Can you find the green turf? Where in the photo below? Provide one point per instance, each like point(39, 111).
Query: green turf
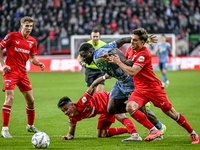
point(48, 88)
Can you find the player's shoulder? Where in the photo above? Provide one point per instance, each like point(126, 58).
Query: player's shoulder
point(145, 51)
point(102, 42)
point(30, 38)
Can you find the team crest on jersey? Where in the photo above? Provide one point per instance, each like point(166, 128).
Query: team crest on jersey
point(141, 59)
point(7, 84)
point(6, 37)
point(84, 99)
point(30, 45)
point(70, 121)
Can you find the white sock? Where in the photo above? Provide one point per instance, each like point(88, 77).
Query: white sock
point(154, 128)
point(193, 132)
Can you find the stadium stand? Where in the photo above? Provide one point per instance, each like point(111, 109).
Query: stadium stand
point(59, 19)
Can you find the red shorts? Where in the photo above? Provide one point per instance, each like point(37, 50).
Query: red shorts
point(105, 120)
point(18, 78)
point(157, 96)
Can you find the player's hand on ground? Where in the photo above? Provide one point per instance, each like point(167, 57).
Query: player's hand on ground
point(41, 66)
point(6, 68)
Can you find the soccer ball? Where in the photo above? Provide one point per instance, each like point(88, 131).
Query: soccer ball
point(40, 140)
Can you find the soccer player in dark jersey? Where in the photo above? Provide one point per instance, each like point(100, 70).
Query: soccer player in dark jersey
point(124, 85)
point(91, 104)
point(92, 72)
point(20, 47)
point(147, 87)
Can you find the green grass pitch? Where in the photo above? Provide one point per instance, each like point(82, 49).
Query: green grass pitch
point(48, 88)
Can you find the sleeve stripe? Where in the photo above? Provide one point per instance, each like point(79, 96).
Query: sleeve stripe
point(89, 94)
point(138, 65)
point(2, 45)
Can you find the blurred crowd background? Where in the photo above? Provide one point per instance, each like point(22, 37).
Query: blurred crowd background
point(57, 20)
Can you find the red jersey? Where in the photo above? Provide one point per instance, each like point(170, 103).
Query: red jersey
point(18, 50)
point(89, 106)
point(145, 79)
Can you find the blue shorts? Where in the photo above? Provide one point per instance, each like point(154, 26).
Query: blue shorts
point(122, 89)
point(163, 65)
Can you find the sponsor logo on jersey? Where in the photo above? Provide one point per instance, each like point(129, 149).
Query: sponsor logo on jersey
point(6, 37)
point(22, 50)
point(84, 99)
point(141, 59)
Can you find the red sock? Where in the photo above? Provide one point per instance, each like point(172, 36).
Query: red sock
point(128, 123)
point(6, 115)
point(141, 118)
point(183, 122)
point(30, 115)
point(116, 131)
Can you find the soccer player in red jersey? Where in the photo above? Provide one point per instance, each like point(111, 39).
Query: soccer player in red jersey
point(20, 47)
point(147, 87)
point(91, 104)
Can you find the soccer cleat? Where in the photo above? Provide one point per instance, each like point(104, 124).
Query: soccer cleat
point(134, 137)
point(148, 105)
point(163, 84)
point(164, 128)
point(195, 138)
point(6, 134)
point(167, 83)
point(153, 135)
point(32, 129)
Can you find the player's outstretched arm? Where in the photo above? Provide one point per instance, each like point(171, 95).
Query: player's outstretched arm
point(70, 134)
point(122, 41)
point(96, 82)
point(35, 62)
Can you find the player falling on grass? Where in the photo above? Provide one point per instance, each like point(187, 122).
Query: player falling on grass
point(148, 87)
point(124, 85)
point(92, 72)
point(91, 104)
point(162, 49)
point(20, 47)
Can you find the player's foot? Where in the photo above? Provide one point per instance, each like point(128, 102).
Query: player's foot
point(32, 129)
point(134, 137)
point(6, 134)
point(164, 128)
point(167, 83)
point(163, 84)
point(195, 138)
point(153, 135)
point(148, 105)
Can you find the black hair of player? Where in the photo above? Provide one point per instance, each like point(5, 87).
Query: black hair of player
point(63, 101)
point(86, 47)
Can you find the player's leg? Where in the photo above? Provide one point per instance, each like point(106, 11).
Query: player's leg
point(135, 101)
point(116, 106)
point(26, 89)
point(30, 110)
point(153, 119)
point(180, 119)
point(103, 128)
point(6, 110)
point(128, 123)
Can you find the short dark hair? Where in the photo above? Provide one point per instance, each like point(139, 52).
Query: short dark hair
point(64, 100)
point(95, 30)
point(142, 33)
point(86, 47)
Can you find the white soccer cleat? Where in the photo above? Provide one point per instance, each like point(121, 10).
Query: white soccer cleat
point(133, 137)
point(167, 83)
point(5, 134)
point(32, 129)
